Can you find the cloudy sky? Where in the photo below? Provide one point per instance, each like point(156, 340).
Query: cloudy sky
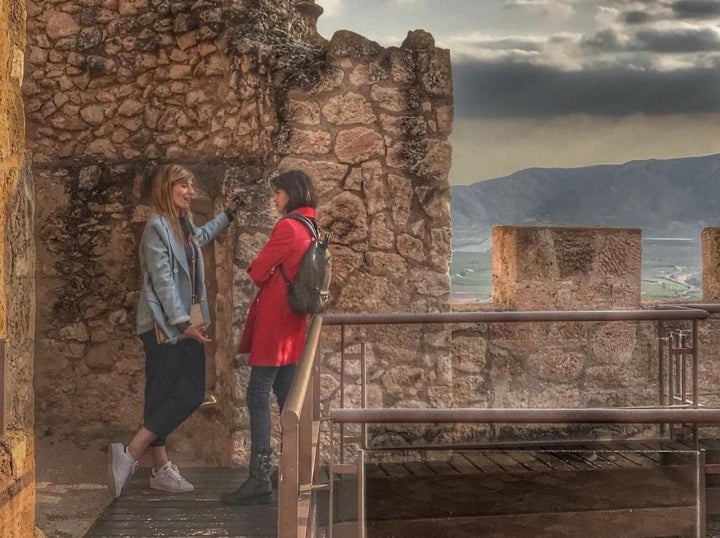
point(563, 83)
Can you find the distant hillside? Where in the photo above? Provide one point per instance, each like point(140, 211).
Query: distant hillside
point(673, 198)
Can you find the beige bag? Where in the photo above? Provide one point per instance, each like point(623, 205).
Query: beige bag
point(196, 318)
point(196, 315)
point(160, 335)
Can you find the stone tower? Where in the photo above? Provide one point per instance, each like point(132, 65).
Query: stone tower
point(235, 90)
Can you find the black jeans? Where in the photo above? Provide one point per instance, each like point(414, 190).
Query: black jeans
point(174, 384)
point(262, 379)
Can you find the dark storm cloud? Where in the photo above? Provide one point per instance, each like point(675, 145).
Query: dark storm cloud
point(655, 10)
point(677, 41)
point(603, 41)
point(696, 9)
point(485, 89)
point(510, 43)
point(636, 17)
point(656, 40)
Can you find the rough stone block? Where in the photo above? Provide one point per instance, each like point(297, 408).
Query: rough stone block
point(569, 268)
point(710, 244)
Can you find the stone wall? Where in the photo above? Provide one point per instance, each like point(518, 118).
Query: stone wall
point(709, 339)
point(495, 365)
point(234, 90)
point(17, 261)
point(710, 244)
point(570, 364)
point(564, 364)
point(566, 268)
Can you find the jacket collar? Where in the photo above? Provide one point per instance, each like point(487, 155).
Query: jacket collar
point(176, 247)
point(304, 211)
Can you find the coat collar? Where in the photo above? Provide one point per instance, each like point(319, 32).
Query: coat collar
point(304, 211)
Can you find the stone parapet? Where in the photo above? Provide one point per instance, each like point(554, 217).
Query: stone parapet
point(710, 245)
point(566, 268)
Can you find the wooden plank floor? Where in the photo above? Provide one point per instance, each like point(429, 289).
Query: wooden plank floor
point(596, 489)
point(545, 457)
point(146, 513)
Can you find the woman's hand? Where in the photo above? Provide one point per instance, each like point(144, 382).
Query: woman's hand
point(197, 333)
point(235, 199)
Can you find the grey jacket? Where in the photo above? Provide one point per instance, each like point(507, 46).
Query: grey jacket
point(166, 291)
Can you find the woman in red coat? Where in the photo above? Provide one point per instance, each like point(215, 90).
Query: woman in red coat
point(274, 334)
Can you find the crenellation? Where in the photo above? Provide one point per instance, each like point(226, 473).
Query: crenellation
point(566, 268)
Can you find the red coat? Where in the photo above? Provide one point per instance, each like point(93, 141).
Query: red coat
point(274, 334)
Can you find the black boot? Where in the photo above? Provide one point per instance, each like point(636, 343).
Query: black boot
point(257, 489)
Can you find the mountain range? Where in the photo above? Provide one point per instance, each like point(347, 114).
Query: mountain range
point(668, 198)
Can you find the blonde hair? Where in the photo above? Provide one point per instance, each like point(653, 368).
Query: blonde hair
point(165, 178)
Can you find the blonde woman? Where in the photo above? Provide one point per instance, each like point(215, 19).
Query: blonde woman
point(173, 285)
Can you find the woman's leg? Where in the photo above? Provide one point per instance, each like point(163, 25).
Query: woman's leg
point(262, 379)
point(257, 489)
point(140, 441)
point(283, 381)
point(175, 388)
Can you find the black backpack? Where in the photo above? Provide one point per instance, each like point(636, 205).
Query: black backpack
point(310, 292)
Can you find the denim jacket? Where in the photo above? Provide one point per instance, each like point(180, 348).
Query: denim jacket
point(166, 292)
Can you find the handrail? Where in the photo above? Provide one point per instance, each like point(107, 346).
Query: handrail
point(299, 423)
point(712, 308)
point(296, 457)
point(516, 316)
point(527, 416)
point(295, 398)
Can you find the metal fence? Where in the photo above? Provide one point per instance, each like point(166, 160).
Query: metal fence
point(300, 457)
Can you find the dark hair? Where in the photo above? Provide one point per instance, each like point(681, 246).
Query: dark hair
point(299, 188)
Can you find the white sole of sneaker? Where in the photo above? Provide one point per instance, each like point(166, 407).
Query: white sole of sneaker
point(110, 475)
point(168, 490)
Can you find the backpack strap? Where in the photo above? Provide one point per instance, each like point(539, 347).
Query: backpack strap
point(309, 224)
point(311, 227)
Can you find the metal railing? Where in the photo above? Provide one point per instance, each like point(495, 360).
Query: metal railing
point(299, 461)
point(683, 352)
point(523, 416)
point(602, 415)
point(300, 418)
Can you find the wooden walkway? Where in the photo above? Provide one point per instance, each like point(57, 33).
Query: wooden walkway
point(620, 486)
point(637, 489)
point(146, 513)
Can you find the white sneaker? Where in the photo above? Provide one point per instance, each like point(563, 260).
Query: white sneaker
point(168, 478)
point(120, 466)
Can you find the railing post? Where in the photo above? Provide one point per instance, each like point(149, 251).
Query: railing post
point(288, 483)
point(297, 445)
point(305, 440)
point(662, 339)
point(361, 495)
point(342, 390)
point(695, 364)
point(701, 522)
point(3, 392)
